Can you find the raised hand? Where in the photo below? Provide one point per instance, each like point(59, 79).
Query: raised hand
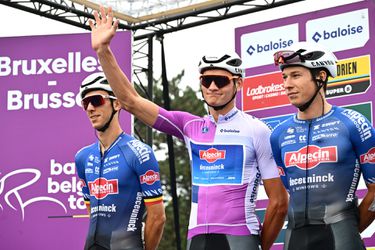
point(104, 28)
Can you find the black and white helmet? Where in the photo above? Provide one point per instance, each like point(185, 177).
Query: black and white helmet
point(95, 81)
point(310, 55)
point(230, 62)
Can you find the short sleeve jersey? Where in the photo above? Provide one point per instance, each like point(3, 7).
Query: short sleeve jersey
point(118, 185)
point(228, 159)
point(321, 161)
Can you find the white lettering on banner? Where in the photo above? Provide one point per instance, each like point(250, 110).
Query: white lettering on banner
point(17, 195)
point(73, 64)
point(17, 100)
point(74, 185)
point(274, 88)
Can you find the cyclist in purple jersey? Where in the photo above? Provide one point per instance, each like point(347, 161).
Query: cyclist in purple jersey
point(229, 151)
point(120, 177)
point(322, 151)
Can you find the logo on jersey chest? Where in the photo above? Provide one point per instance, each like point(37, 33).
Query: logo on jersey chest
point(211, 155)
point(310, 157)
point(150, 177)
point(368, 157)
point(101, 187)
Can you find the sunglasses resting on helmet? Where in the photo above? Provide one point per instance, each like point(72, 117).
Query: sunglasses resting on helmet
point(290, 57)
point(220, 81)
point(95, 100)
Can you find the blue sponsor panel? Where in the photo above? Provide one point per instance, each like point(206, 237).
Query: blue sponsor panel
point(217, 164)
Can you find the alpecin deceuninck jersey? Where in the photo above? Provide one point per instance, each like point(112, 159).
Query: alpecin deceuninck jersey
point(118, 185)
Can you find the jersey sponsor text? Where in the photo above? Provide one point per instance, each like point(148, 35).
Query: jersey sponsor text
point(211, 155)
point(101, 187)
point(150, 177)
point(310, 157)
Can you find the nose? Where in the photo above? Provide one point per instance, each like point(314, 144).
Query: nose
point(90, 107)
point(287, 83)
point(212, 86)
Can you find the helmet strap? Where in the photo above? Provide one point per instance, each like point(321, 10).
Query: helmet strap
point(320, 83)
point(106, 125)
point(220, 107)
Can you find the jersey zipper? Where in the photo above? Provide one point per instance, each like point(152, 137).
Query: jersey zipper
point(307, 173)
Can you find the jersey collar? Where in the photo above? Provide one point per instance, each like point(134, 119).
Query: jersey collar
point(227, 117)
point(296, 120)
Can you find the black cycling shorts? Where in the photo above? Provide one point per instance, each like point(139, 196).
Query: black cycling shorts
point(224, 242)
point(343, 235)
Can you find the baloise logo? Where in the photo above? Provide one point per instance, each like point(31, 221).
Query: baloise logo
point(338, 32)
point(269, 46)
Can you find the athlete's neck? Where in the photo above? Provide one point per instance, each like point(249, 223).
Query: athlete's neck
point(107, 137)
point(318, 108)
point(215, 113)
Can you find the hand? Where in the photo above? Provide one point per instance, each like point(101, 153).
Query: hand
point(104, 30)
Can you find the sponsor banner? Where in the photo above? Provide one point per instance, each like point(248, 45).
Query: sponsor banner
point(257, 48)
point(40, 193)
point(353, 77)
point(214, 164)
point(340, 32)
point(264, 92)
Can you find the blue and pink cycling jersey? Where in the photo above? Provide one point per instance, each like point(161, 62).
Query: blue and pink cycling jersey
point(117, 185)
point(228, 160)
point(321, 163)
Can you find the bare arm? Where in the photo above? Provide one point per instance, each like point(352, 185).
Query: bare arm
point(88, 207)
point(366, 217)
point(275, 213)
point(101, 35)
point(154, 225)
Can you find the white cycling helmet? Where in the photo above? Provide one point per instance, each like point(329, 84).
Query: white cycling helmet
point(310, 55)
point(95, 81)
point(230, 62)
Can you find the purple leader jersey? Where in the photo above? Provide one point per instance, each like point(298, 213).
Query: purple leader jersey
point(228, 159)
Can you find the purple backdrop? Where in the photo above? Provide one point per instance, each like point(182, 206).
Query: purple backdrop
point(42, 129)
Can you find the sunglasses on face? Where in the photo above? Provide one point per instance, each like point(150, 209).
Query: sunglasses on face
point(95, 100)
point(220, 81)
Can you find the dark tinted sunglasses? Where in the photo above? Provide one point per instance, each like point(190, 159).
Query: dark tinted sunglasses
point(220, 81)
point(95, 100)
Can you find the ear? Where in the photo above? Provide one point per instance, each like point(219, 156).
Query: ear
point(117, 105)
point(239, 83)
point(323, 75)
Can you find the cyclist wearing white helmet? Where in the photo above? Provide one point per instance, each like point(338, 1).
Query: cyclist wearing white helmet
point(120, 177)
point(229, 151)
point(321, 152)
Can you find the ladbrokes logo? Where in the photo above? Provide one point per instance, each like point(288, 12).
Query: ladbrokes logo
point(369, 157)
point(211, 155)
point(150, 177)
point(102, 187)
point(310, 157)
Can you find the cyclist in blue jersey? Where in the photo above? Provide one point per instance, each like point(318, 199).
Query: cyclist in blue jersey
point(120, 177)
point(321, 152)
point(229, 151)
